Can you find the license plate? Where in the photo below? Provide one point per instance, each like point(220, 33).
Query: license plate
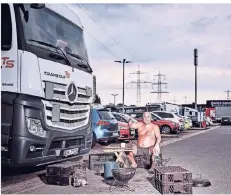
point(70, 152)
point(115, 134)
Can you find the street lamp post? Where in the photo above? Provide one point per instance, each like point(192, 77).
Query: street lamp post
point(124, 61)
point(114, 95)
point(195, 64)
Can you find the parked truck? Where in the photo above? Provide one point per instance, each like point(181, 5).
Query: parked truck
point(210, 112)
point(196, 116)
point(47, 84)
point(164, 106)
point(222, 112)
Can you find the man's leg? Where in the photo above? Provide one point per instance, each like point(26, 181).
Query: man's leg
point(152, 153)
point(131, 156)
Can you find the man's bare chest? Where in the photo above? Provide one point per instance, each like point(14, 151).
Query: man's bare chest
point(146, 131)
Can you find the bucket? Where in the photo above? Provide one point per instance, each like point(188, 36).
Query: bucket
point(108, 166)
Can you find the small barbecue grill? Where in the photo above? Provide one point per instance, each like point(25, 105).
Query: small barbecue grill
point(122, 177)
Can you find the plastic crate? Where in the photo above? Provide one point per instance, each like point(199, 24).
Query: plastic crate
point(96, 161)
point(173, 188)
point(172, 174)
point(65, 169)
point(58, 180)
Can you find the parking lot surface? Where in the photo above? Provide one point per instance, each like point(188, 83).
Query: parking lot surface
point(202, 151)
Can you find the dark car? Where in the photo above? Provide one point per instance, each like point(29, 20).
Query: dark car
point(226, 120)
point(104, 126)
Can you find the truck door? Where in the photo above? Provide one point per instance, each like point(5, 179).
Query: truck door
point(9, 48)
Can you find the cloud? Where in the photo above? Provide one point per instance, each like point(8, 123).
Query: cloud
point(160, 37)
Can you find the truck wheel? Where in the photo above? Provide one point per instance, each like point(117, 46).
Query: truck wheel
point(165, 129)
point(93, 141)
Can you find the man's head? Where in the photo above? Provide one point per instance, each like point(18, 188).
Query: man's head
point(147, 117)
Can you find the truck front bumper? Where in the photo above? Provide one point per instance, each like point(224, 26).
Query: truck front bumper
point(27, 149)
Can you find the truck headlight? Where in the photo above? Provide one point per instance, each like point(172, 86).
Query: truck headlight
point(34, 127)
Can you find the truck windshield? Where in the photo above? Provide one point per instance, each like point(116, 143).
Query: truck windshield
point(46, 26)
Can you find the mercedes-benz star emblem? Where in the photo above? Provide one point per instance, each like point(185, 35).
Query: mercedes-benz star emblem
point(72, 92)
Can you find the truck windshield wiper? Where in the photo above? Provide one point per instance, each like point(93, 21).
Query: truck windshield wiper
point(81, 58)
point(53, 46)
point(64, 54)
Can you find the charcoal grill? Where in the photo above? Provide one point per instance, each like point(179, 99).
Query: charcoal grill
point(122, 176)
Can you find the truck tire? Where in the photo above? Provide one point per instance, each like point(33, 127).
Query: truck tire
point(94, 141)
point(165, 129)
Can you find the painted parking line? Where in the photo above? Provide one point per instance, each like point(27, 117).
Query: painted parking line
point(187, 136)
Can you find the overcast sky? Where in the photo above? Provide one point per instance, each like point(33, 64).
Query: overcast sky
point(159, 38)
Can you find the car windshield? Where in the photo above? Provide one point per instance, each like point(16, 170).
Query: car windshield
point(105, 115)
point(226, 118)
point(156, 116)
point(46, 26)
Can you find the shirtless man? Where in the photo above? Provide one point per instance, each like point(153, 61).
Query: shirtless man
point(149, 138)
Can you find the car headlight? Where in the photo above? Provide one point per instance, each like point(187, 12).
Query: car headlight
point(34, 127)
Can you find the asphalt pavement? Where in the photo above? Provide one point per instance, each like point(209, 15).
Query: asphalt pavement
point(206, 152)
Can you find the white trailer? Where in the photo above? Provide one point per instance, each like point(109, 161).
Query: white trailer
point(169, 107)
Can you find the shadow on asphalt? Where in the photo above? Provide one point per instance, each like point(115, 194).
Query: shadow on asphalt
point(15, 175)
point(109, 182)
point(8, 171)
point(42, 177)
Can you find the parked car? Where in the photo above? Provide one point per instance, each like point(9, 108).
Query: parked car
point(104, 126)
point(125, 132)
point(188, 122)
point(171, 117)
point(226, 120)
point(208, 120)
point(166, 126)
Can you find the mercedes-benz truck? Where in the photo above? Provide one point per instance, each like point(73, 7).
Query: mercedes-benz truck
point(47, 84)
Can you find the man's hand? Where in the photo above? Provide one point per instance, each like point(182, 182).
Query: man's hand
point(133, 125)
point(130, 123)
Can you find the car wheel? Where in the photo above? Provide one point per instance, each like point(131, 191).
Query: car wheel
point(165, 129)
point(93, 141)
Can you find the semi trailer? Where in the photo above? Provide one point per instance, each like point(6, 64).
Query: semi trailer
point(47, 85)
point(222, 112)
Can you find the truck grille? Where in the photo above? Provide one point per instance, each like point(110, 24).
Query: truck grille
point(58, 110)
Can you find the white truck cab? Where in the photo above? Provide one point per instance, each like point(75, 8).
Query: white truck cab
point(47, 84)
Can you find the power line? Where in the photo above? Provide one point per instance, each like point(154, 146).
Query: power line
point(159, 84)
point(85, 11)
point(95, 58)
point(103, 46)
point(100, 44)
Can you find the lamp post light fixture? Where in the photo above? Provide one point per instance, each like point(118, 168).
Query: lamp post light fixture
point(124, 61)
point(114, 95)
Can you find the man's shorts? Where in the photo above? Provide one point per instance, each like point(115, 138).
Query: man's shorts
point(144, 151)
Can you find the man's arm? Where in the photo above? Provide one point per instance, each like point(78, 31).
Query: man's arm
point(133, 125)
point(158, 135)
